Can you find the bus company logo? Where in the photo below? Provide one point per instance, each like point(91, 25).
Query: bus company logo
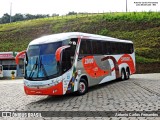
point(89, 61)
point(125, 59)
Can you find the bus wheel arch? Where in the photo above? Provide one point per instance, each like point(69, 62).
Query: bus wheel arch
point(83, 85)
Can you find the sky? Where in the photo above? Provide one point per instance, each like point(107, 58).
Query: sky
point(62, 7)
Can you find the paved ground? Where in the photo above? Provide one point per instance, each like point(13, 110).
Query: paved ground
point(140, 93)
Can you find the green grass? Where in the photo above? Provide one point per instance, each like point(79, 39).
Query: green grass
point(133, 16)
point(143, 28)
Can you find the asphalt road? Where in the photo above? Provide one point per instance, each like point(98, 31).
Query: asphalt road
point(140, 93)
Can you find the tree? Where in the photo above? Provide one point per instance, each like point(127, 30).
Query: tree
point(28, 16)
point(17, 17)
point(72, 13)
point(54, 14)
point(20, 17)
point(5, 18)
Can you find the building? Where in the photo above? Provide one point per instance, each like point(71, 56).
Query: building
point(7, 60)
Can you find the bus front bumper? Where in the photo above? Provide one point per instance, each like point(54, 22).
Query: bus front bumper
point(38, 90)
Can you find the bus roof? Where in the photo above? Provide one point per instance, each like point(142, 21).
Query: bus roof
point(68, 35)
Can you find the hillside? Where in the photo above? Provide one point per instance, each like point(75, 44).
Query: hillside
point(142, 28)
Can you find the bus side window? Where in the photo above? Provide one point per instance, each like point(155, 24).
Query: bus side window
point(105, 47)
point(123, 48)
point(95, 47)
point(82, 47)
point(120, 48)
point(128, 48)
point(111, 47)
point(99, 47)
point(88, 47)
point(85, 48)
point(131, 48)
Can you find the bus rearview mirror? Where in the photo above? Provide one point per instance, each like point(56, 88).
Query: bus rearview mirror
point(18, 56)
point(59, 51)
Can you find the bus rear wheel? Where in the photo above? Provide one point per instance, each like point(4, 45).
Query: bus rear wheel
point(123, 74)
point(127, 74)
point(83, 87)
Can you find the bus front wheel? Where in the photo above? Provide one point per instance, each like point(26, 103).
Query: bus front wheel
point(83, 87)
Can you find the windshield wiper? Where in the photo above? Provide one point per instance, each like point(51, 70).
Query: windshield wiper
point(44, 70)
point(34, 67)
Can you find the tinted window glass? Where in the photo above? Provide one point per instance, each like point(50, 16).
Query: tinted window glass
point(106, 48)
point(97, 47)
point(121, 48)
point(116, 49)
point(131, 48)
point(50, 48)
point(33, 50)
point(88, 47)
point(83, 47)
point(94, 47)
point(112, 48)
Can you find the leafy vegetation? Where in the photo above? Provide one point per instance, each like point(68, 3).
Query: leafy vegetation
point(141, 59)
point(133, 16)
point(142, 28)
point(6, 18)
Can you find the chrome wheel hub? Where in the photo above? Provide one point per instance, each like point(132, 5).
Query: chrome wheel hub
point(82, 87)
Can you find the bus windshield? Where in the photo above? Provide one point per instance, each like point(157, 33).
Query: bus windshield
point(41, 61)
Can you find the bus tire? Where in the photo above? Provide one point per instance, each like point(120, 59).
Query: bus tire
point(83, 87)
point(123, 74)
point(127, 74)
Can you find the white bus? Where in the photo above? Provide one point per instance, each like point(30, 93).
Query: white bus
point(68, 62)
point(1, 71)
